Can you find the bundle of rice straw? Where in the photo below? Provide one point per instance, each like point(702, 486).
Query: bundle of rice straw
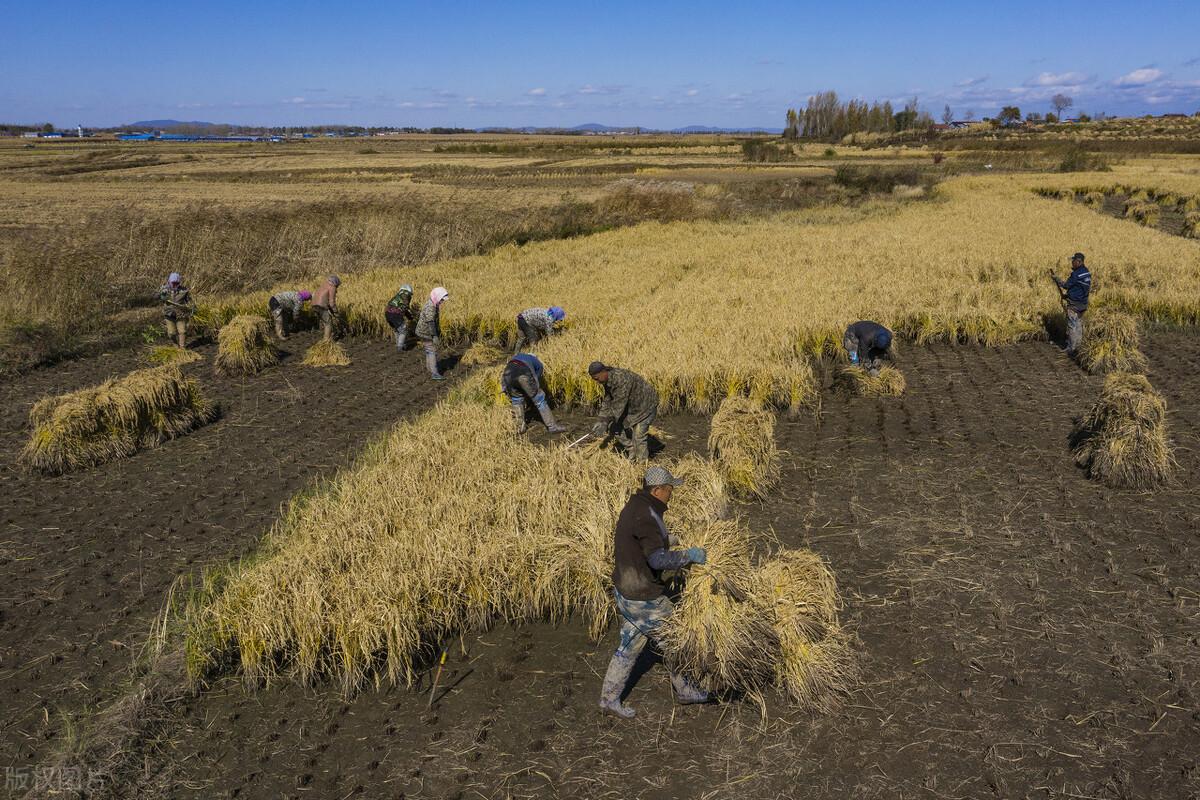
point(114, 419)
point(326, 353)
point(1143, 212)
point(1122, 441)
point(856, 381)
point(244, 346)
point(1110, 343)
point(163, 354)
point(1191, 225)
point(482, 353)
point(742, 442)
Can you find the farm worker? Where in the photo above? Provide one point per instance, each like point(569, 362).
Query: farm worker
point(535, 324)
point(630, 403)
point(285, 310)
point(177, 308)
point(399, 315)
point(641, 553)
point(429, 329)
point(868, 343)
point(325, 304)
point(521, 381)
point(1075, 290)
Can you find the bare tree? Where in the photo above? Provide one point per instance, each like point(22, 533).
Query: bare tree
point(947, 115)
point(970, 115)
point(1061, 103)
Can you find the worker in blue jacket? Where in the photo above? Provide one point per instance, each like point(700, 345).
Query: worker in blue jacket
point(1075, 291)
point(522, 381)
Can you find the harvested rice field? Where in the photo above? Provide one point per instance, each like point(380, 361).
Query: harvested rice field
point(1020, 630)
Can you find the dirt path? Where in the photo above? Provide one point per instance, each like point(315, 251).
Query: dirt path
point(88, 557)
point(1024, 633)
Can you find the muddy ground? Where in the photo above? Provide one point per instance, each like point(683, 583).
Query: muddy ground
point(1022, 631)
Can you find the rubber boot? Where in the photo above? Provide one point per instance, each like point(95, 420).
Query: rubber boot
point(279, 328)
point(431, 361)
point(547, 415)
point(619, 670)
point(688, 693)
point(518, 409)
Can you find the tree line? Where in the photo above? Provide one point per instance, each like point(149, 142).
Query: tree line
point(827, 118)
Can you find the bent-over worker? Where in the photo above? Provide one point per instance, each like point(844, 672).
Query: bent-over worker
point(177, 308)
point(399, 315)
point(285, 310)
point(536, 324)
point(868, 343)
point(521, 381)
point(429, 330)
point(1075, 291)
point(325, 304)
point(641, 553)
point(630, 404)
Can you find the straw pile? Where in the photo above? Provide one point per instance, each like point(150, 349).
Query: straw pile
point(163, 354)
point(742, 442)
point(856, 381)
point(371, 575)
point(1094, 200)
point(482, 353)
point(1144, 212)
point(115, 419)
point(1191, 225)
point(244, 346)
point(1110, 343)
point(326, 353)
point(1122, 441)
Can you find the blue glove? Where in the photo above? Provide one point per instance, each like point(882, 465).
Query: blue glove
point(696, 555)
point(853, 357)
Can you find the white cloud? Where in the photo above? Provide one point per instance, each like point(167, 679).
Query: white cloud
point(1139, 77)
point(692, 92)
point(538, 92)
point(1058, 79)
point(972, 81)
point(295, 101)
point(608, 89)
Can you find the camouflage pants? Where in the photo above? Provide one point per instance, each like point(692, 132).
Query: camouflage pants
point(635, 438)
point(282, 321)
point(1074, 330)
point(639, 620)
point(175, 327)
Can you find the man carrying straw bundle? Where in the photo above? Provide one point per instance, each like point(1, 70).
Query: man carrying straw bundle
point(521, 381)
point(325, 304)
point(177, 308)
point(1074, 292)
point(429, 330)
point(536, 324)
point(399, 315)
point(868, 343)
point(630, 403)
point(642, 552)
point(285, 310)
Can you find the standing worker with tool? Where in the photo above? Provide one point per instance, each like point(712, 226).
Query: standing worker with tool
point(399, 315)
point(429, 330)
point(630, 403)
point(642, 552)
point(521, 381)
point(868, 343)
point(1074, 292)
point(325, 304)
point(177, 308)
point(285, 309)
point(535, 324)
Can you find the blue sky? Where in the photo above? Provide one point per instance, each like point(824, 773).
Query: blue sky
point(661, 64)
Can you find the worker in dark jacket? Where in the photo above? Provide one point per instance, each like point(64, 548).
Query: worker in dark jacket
point(630, 404)
point(399, 315)
point(1075, 291)
point(521, 381)
point(868, 343)
point(642, 552)
point(177, 308)
point(536, 324)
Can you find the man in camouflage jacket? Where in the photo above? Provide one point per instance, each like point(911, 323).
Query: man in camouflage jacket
point(630, 406)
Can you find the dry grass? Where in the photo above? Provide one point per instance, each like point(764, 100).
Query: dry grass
point(1191, 225)
point(856, 381)
point(742, 443)
point(1122, 441)
point(1110, 343)
point(326, 353)
point(164, 354)
point(483, 354)
point(245, 346)
point(114, 419)
point(1144, 212)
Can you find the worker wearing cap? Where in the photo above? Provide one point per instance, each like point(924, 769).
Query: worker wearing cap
point(399, 315)
point(429, 330)
point(285, 309)
point(521, 380)
point(535, 324)
point(1075, 291)
point(630, 403)
point(325, 304)
point(177, 308)
point(868, 343)
point(641, 553)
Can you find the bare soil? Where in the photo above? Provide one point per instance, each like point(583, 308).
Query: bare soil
point(1023, 632)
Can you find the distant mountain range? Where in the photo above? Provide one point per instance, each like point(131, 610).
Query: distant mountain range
point(589, 127)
